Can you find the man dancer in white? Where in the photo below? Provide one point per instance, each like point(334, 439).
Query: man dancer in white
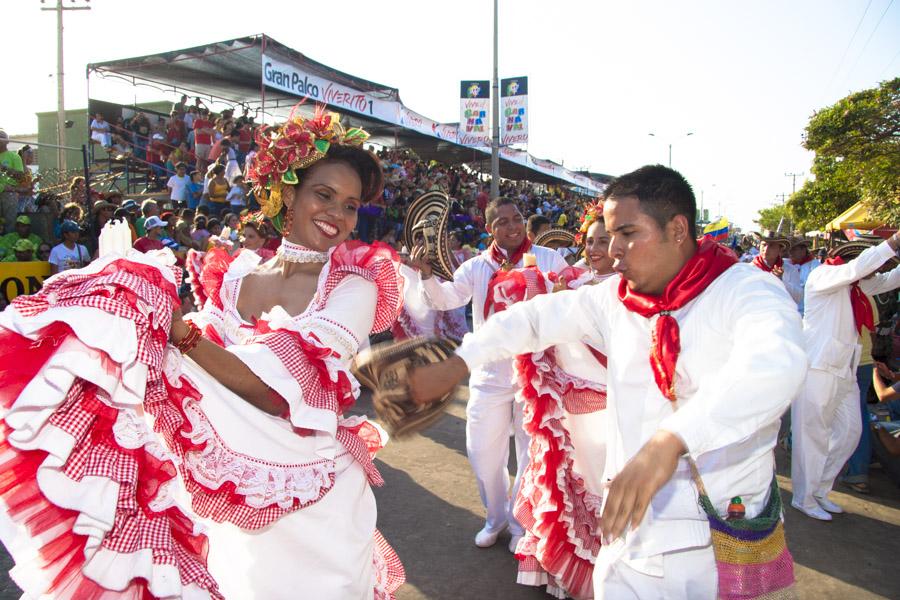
point(729, 381)
point(797, 267)
point(492, 409)
point(825, 417)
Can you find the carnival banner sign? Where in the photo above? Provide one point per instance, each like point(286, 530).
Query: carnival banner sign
point(474, 113)
point(296, 81)
point(20, 278)
point(514, 111)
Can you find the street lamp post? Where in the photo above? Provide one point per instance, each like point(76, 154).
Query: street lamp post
point(495, 116)
point(670, 145)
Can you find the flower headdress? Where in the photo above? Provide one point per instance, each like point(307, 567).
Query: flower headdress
point(295, 144)
point(592, 212)
point(255, 217)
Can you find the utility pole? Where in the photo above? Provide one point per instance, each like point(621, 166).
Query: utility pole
point(782, 196)
point(794, 177)
point(495, 114)
point(60, 93)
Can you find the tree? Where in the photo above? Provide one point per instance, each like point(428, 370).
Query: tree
point(771, 218)
point(857, 157)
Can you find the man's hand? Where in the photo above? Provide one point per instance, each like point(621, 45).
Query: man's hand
point(778, 272)
point(419, 260)
point(894, 241)
point(629, 494)
point(434, 381)
point(885, 372)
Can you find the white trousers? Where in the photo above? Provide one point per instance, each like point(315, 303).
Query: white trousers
point(492, 413)
point(689, 574)
point(826, 429)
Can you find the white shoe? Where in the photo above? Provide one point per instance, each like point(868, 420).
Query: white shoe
point(487, 538)
point(815, 513)
point(514, 543)
point(830, 506)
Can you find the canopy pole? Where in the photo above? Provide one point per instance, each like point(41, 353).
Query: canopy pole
point(262, 87)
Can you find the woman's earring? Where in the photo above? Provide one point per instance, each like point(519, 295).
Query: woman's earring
point(287, 223)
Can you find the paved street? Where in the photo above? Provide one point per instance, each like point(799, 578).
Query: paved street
point(430, 511)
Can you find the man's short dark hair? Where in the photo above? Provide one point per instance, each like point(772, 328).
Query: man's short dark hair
point(662, 192)
point(490, 211)
point(535, 222)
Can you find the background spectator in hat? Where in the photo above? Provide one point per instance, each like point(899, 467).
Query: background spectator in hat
point(100, 131)
point(154, 227)
point(101, 213)
point(178, 184)
point(22, 232)
point(11, 170)
point(149, 208)
point(68, 254)
point(22, 251)
point(72, 211)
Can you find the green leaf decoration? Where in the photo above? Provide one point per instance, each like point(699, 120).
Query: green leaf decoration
point(290, 177)
point(322, 146)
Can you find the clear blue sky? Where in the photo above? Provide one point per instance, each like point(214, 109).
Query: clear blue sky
point(744, 77)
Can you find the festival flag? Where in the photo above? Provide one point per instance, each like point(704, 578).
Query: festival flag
point(474, 113)
point(717, 230)
point(514, 110)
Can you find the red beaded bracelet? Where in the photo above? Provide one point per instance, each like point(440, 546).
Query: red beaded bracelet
point(189, 341)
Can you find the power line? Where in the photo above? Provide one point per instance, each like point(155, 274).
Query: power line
point(869, 39)
point(847, 49)
point(888, 67)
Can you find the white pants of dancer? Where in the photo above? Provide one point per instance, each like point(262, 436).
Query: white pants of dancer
point(686, 574)
point(492, 413)
point(826, 429)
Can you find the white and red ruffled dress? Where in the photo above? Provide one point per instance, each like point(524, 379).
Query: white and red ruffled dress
point(563, 393)
point(128, 471)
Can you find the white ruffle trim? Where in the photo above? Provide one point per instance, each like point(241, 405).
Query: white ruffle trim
point(547, 369)
point(261, 483)
point(94, 498)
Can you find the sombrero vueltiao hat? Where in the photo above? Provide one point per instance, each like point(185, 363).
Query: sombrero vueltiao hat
point(772, 237)
point(799, 240)
point(427, 220)
point(555, 238)
point(850, 250)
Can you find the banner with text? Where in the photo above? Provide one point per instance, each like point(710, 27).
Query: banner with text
point(474, 113)
point(514, 111)
point(20, 278)
point(296, 81)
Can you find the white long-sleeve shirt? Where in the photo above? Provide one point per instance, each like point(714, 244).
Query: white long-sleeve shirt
point(795, 277)
point(741, 362)
point(829, 328)
point(470, 282)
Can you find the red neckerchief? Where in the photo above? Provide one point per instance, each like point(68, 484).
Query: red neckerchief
point(505, 265)
point(761, 263)
point(862, 308)
point(800, 263)
point(710, 261)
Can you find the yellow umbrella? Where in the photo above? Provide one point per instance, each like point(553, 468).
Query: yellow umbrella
point(855, 217)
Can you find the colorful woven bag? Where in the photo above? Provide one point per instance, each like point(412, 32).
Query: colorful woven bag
point(752, 557)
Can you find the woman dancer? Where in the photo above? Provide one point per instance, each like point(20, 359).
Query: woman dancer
point(564, 392)
point(117, 450)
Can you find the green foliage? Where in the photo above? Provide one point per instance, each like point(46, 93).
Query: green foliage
point(770, 218)
point(857, 147)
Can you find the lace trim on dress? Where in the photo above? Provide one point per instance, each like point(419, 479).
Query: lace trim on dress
point(260, 483)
